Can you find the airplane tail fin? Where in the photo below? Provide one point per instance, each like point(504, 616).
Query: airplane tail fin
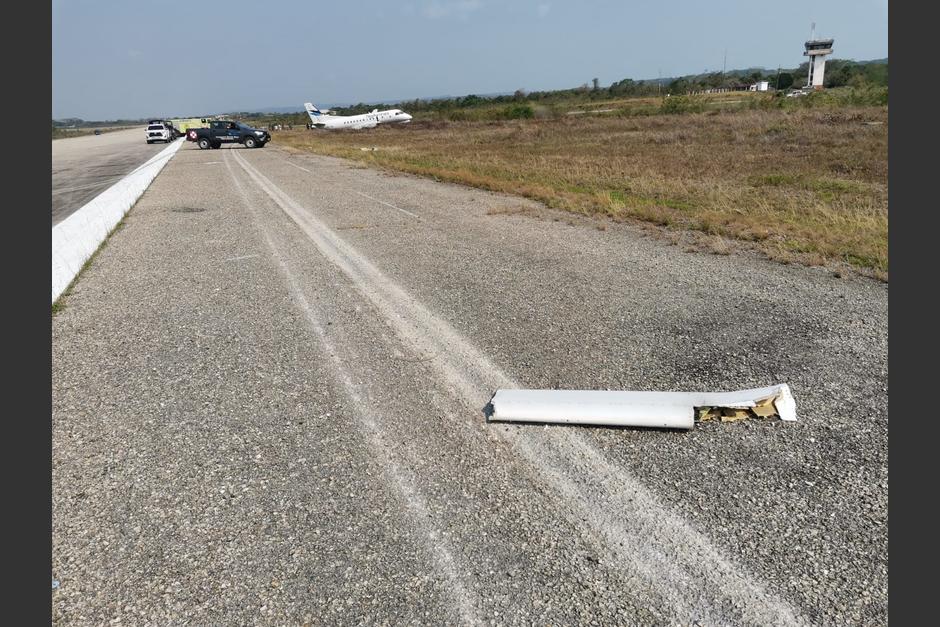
point(312, 111)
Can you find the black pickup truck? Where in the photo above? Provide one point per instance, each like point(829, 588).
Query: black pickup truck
point(227, 132)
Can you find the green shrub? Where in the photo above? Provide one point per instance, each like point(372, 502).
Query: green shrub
point(518, 112)
point(865, 96)
point(457, 115)
point(682, 104)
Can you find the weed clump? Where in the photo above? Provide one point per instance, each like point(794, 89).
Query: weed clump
point(682, 104)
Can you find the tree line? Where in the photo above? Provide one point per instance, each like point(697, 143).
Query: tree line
point(839, 73)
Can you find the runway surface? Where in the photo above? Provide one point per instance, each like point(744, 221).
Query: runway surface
point(268, 396)
point(83, 167)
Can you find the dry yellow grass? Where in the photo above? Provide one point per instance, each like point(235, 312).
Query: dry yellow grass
point(806, 185)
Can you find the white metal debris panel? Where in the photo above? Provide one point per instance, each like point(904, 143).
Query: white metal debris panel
point(674, 410)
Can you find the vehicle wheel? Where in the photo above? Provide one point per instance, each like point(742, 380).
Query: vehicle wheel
point(204, 143)
point(149, 141)
point(250, 142)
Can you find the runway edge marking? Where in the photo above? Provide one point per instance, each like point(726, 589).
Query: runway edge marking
point(76, 238)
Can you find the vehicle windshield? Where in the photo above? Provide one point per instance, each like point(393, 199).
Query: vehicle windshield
point(155, 127)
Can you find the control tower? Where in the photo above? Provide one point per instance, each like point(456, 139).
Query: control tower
point(817, 50)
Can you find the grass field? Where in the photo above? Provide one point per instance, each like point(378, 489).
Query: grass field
point(807, 185)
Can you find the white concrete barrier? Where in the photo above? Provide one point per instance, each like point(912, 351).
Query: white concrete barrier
point(77, 237)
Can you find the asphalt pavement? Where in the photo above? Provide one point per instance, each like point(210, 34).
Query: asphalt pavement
point(268, 408)
point(83, 167)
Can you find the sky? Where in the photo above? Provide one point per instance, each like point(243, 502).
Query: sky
point(114, 59)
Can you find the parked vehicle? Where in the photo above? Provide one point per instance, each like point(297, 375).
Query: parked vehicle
point(228, 132)
point(174, 132)
point(184, 124)
point(158, 133)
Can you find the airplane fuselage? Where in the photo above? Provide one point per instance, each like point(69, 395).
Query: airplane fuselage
point(320, 119)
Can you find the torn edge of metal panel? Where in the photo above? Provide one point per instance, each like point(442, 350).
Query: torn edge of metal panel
point(669, 410)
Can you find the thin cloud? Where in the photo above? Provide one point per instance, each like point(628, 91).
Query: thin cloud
point(544, 8)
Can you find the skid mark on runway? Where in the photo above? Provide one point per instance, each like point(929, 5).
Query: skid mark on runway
point(382, 202)
point(297, 166)
point(416, 506)
point(656, 548)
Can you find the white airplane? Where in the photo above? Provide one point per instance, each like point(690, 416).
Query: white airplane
point(321, 119)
